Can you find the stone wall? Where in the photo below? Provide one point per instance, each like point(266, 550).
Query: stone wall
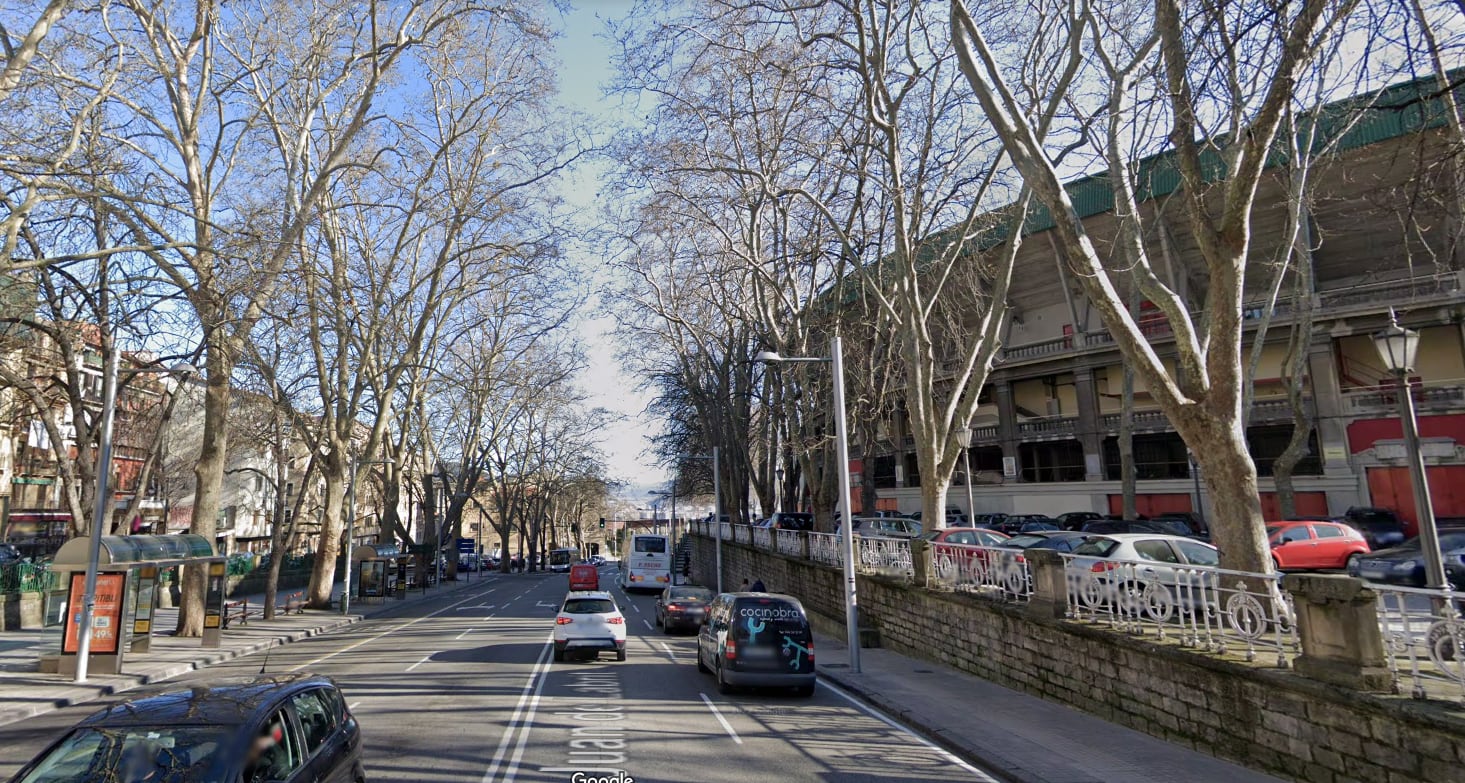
point(1272, 720)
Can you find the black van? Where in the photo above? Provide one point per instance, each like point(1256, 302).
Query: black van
point(759, 640)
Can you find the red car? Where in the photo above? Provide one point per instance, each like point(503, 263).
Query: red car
point(1304, 545)
point(584, 577)
point(959, 549)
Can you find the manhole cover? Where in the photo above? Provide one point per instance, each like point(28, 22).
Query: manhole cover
point(834, 666)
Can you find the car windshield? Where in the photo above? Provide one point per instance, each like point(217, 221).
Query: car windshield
point(1023, 542)
point(690, 594)
point(156, 754)
point(651, 545)
point(589, 606)
point(1096, 547)
point(1272, 530)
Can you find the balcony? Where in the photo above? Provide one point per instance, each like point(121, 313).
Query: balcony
point(1429, 396)
point(1051, 427)
point(1144, 421)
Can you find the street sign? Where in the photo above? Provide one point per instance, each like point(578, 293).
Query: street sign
point(467, 546)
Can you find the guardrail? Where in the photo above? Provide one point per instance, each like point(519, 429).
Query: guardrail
point(987, 571)
point(28, 578)
point(763, 537)
point(889, 556)
point(789, 542)
point(1211, 609)
point(1424, 640)
point(824, 548)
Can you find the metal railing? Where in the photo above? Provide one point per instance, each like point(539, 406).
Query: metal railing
point(725, 530)
point(1424, 640)
point(1052, 425)
point(988, 571)
point(1210, 609)
point(889, 556)
point(742, 534)
point(28, 578)
point(824, 548)
point(763, 538)
point(790, 542)
point(1448, 393)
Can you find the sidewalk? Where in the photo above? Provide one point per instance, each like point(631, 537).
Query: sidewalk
point(1019, 738)
point(25, 692)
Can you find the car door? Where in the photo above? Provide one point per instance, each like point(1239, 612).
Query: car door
point(1331, 546)
point(1158, 561)
point(661, 605)
point(283, 759)
point(706, 645)
point(1295, 547)
point(325, 744)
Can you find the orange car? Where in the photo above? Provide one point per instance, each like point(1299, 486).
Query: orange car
point(584, 577)
point(1304, 545)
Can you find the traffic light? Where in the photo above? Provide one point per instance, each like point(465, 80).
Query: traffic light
point(602, 523)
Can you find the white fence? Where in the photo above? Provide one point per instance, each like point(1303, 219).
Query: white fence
point(990, 571)
point(1424, 640)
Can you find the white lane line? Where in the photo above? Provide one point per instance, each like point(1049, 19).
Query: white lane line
point(525, 727)
point(352, 707)
point(387, 632)
point(725, 725)
point(638, 609)
point(419, 663)
point(535, 675)
point(669, 653)
point(948, 755)
point(465, 633)
point(648, 623)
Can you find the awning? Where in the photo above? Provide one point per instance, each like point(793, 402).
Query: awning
point(375, 552)
point(127, 550)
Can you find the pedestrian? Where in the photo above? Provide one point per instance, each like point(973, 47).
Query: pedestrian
point(745, 585)
point(758, 587)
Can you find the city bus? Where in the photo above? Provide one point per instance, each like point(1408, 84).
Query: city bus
point(647, 563)
point(560, 559)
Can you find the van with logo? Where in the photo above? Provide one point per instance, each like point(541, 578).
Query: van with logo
point(759, 640)
point(584, 576)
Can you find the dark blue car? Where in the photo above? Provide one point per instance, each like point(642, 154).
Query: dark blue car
point(290, 729)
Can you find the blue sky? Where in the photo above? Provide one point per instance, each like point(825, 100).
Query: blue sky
point(586, 68)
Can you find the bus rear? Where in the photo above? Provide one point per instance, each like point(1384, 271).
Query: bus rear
point(647, 564)
point(560, 560)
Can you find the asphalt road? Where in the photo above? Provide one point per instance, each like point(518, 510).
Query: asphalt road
point(462, 688)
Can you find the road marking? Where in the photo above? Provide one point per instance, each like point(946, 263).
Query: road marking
point(465, 633)
point(536, 674)
point(352, 707)
point(419, 663)
point(648, 623)
point(948, 755)
point(637, 608)
point(725, 725)
point(669, 653)
point(479, 606)
point(389, 631)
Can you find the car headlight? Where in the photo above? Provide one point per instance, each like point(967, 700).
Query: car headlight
point(1407, 565)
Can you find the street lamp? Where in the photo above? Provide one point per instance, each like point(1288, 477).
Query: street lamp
point(964, 440)
point(99, 514)
point(1398, 346)
point(351, 527)
point(778, 491)
point(847, 528)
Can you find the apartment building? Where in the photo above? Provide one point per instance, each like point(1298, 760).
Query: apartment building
point(1386, 224)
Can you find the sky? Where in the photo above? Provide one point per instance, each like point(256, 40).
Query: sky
point(586, 68)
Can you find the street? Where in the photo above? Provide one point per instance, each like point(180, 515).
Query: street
point(462, 688)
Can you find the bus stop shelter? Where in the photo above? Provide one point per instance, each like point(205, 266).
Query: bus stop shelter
point(128, 570)
point(378, 570)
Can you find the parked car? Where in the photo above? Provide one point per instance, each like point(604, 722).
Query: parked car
point(1381, 527)
point(683, 606)
point(885, 527)
point(1117, 569)
point(1404, 564)
point(791, 520)
point(1181, 523)
point(1119, 526)
point(1304, 545)
point(1025, 523)
point(1075, 520)
point(9, 554)
point(967, 536)
point(992, 519)
point(287, 728)
point(589, 622)
point(1058, 540)
point(757, 639)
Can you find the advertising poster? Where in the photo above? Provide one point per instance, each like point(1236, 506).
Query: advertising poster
point(106, 616)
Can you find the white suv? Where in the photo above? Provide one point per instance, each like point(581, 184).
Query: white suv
point(589, 622)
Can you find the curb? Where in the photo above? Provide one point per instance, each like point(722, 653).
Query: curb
point(132, 681)
point(903, 714)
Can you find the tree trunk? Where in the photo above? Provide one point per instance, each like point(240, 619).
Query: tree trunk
point(277, 555)
point(208, 476)
point(869, 494)
point(1126, 446)
point(1230, 477)
point(933, 495)
point(332, 527)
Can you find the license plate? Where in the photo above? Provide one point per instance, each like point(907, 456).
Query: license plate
point(756, 652)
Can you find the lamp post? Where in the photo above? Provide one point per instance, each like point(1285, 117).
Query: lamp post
point(351, 527)
point(964, 440)
point(778, 491)
point(851, 609)
point(110, 373)
point(1398, 346)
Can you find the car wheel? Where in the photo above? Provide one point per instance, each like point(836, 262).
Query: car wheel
point(701, 667)
point(1276, 564)
point(620, 655)
point(804, 691)
point(723, 686)
point(559, 656)
point(1352, 564)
